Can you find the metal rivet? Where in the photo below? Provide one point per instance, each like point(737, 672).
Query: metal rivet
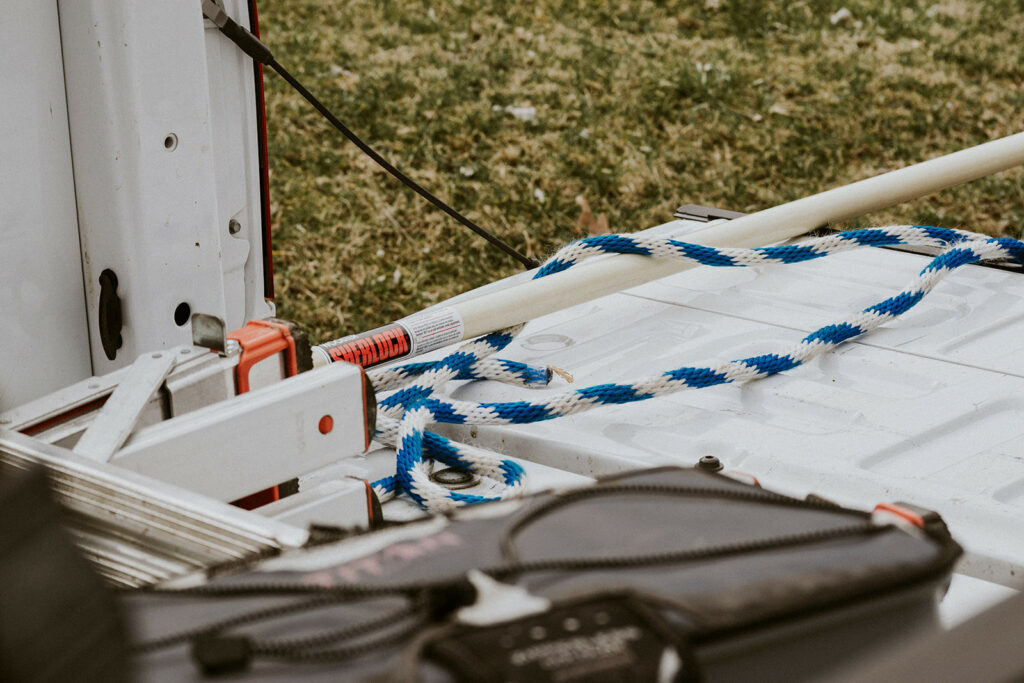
point(454, 479)
point(710, 463)
point(234, 227)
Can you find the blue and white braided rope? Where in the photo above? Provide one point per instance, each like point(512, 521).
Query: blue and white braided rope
point(412, 403)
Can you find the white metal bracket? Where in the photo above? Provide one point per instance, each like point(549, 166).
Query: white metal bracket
point(258, 439)
point(116, 420)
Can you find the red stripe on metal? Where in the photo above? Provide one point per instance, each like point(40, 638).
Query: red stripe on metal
point(261, 119)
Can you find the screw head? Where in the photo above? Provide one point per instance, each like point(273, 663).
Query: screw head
point(710, 463)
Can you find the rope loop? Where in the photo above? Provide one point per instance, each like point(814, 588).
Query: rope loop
point(411, 400)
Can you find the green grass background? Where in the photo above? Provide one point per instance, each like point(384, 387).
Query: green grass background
point(641, 106)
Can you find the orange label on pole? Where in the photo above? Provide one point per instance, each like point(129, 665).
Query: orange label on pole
point(410, 336)
point(372, 348)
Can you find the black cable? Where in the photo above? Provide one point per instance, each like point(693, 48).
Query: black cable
point(307, 648)
point(256, 49)
point(409, 182)
point(218, 653)
point(243, 619)
point(761, 496)
point(455, 590)
point(320, 641)
point(374, 632)
point(577, 564)
point(344, 653)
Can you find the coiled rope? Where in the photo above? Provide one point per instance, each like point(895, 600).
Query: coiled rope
point(412, 401)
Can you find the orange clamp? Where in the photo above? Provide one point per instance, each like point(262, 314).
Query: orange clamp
point(261, 339)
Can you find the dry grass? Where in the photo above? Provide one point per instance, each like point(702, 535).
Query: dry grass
point(641, 106)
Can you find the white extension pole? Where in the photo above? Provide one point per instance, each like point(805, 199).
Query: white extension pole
point(586, 281)
point(495, 310)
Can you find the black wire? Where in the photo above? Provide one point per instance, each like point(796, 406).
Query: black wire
point(361, 628)
point(343, 653)
point(319, 600)
point(387, 166)
point(508, 535)
point(256, 49)
point(575, 564)
point(416, 591)
point(313, 648)
point(415, 612)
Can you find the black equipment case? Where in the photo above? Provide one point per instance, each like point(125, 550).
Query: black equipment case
point(658, 575)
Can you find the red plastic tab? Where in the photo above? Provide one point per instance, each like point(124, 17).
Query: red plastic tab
point(901, 512)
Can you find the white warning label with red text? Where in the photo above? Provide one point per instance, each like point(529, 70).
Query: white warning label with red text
point(433, 329)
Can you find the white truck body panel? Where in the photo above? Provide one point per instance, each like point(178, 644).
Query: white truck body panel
point(141, 170)
point(46, 344)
